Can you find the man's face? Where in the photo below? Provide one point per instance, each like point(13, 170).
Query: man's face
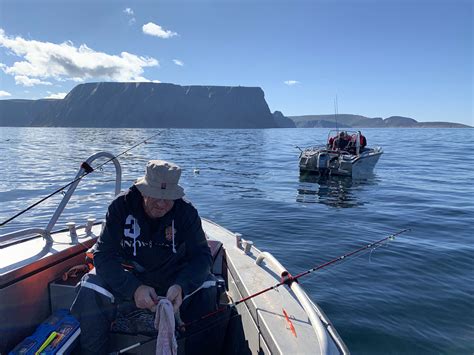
point(155, 207)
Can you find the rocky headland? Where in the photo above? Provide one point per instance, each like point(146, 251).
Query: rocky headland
point(161, 105)
point(154, 105)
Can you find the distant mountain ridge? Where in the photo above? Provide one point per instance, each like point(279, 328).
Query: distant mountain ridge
point(20, 113)
point(357, 121)
point(163, 105)
point(154, 105)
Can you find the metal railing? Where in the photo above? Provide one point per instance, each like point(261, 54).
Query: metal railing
point(25, 234)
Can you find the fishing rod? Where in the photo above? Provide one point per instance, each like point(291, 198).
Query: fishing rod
point(87, 170)
point(286, 279)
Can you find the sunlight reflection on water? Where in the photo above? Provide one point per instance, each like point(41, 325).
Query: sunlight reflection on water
point(249, 182)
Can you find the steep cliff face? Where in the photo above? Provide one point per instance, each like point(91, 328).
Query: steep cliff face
point(174, 106)
point(160, 105)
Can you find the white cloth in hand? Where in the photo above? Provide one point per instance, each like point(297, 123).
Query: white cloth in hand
point(164, 322)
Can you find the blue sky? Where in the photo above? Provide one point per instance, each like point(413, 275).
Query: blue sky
point(381, 58)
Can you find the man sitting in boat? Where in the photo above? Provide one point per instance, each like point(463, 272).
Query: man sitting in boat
point(154, 229)
point(341, 142)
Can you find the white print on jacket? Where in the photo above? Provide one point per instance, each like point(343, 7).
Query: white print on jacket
point(132, 230)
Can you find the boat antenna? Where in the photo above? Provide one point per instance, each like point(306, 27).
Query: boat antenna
point(286, 279)
point(87, 170)
point(336, 109)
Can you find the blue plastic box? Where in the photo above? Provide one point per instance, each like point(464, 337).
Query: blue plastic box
point(61, 322)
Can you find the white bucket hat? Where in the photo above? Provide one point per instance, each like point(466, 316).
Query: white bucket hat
point(161, 181)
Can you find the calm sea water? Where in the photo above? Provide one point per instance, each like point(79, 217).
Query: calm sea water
point(413, 296)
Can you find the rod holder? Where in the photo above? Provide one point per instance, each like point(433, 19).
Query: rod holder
point(238, 240)
point(90, 223)
point(247, 246)
point(72, 231)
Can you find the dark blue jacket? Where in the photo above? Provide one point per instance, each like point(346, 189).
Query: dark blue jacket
point(130, 235)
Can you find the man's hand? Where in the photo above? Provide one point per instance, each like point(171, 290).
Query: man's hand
point(175, 295)
point(146, 297)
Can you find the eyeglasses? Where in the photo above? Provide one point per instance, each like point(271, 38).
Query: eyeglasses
point(151, 201)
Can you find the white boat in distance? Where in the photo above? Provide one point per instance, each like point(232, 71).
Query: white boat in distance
point(350, 159)
point(282, 321)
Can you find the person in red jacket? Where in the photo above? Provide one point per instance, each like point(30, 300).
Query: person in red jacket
point(331, 142)
point(363, 141)
point(341, 142)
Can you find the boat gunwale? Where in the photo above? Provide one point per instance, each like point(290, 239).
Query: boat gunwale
point(254, 308)
point(44, 262)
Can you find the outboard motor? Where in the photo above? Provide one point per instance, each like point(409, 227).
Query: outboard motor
point(322, 162)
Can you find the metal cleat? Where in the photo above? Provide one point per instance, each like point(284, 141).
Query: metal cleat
point(90, 223)
point(72, 231)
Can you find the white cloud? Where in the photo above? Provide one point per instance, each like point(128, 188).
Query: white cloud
point(59, 95)
point(26, 81)
point(129, 12)
point(4, 93)
point(61, 62)
point(153, 29)
point(178, 62)
point(291, 82)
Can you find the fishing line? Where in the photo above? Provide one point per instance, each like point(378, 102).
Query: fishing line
point(87, 170)
point(357, 251)
point(359, 255)
point(370, 255)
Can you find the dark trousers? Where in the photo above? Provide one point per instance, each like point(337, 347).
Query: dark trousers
point(96, 311)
